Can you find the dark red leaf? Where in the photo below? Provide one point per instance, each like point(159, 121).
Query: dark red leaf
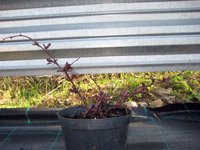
point(48, 45)
point(140, 89)
point(67, 67)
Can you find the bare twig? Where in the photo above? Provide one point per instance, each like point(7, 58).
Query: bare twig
point(75, 61)
point(52, 59)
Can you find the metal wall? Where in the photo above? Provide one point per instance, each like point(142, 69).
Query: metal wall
point(125, 36)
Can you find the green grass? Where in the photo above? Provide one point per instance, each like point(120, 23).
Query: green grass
point(53, 91)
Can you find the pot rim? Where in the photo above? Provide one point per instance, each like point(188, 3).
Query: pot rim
point(92, 124)
point(58, 114)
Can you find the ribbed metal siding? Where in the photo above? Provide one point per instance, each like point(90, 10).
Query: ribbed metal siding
point(113, 37)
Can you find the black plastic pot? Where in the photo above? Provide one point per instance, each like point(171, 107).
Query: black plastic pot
point(93, 134)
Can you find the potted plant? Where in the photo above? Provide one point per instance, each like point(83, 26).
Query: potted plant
point(97, 124)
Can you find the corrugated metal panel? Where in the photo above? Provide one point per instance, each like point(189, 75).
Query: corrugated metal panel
point(105, 65)
point(24, 4)
point(114, 37)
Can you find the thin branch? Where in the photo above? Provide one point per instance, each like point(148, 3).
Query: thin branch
point(20, 35)
point(75, 61)
point(74, 86)
point(54, 60)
